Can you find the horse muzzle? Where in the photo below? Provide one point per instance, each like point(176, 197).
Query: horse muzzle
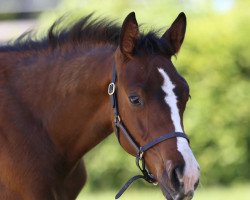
point(173, 186)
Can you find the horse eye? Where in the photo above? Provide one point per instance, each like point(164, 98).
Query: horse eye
point(135, 100)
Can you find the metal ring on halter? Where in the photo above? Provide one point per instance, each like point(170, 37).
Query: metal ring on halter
point(111, 89)
point(155, 183)
point(141, 153)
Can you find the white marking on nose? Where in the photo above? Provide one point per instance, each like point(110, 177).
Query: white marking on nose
point(191, 170)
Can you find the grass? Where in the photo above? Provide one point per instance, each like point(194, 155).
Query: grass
point(239, 192)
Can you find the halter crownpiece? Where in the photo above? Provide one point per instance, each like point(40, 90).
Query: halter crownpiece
point(140, 162)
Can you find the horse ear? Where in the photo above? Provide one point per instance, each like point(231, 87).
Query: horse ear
point(129, 35)
point(176, 33)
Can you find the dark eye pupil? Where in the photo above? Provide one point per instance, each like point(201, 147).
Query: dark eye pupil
point(135, 100)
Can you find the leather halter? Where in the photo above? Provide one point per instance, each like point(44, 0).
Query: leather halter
point(140, 162)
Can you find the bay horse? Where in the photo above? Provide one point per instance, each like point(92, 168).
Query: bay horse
point(55, 106)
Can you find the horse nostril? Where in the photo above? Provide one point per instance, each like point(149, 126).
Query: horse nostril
point(177, 177)
point(190, 195)
point(196, 184)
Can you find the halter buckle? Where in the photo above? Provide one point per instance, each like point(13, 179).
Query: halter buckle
point(111, 89)
point(141, 153)
point(117, 119)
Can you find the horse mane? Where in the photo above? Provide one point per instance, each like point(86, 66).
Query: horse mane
point(85, 31)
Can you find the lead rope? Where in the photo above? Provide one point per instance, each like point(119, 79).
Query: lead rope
point(139, 159)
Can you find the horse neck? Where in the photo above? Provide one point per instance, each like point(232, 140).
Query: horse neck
point(68, 93)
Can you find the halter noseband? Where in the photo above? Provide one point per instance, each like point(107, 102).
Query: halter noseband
point(140, 162)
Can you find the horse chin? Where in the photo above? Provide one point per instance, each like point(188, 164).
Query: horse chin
point(166, 192)
point(171, 195)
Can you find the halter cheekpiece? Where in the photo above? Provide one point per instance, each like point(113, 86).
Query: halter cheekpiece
point(120, 127)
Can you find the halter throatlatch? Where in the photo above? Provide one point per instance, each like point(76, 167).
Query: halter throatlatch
point(120, 127)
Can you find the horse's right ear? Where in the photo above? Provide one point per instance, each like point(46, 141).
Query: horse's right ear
point(129, 35)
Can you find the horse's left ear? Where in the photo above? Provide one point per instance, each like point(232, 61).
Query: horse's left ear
point(129, 35)
point(176, 33)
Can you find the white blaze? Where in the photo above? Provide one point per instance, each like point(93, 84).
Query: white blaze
point(191, 170)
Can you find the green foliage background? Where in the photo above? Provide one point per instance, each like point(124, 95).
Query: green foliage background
point(215, 59)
